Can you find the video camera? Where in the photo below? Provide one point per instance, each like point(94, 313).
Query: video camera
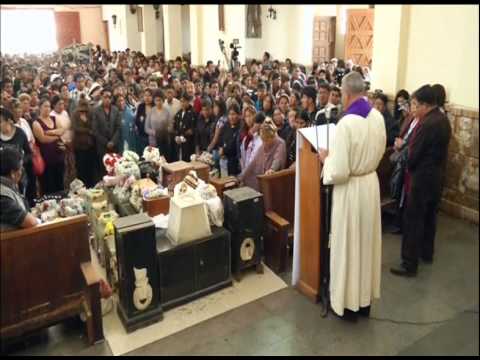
point(234, 46)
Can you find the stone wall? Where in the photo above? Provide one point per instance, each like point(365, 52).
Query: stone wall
point(460, 195)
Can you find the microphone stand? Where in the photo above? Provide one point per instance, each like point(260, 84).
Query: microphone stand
point(325, 278)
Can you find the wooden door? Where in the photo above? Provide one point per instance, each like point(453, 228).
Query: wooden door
point(359, 37)
point(68, 28)
point(323, 38)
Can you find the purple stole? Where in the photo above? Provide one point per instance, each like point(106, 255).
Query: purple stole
point(360, 107)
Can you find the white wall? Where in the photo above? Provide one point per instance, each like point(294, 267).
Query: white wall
point(149, 35)
point(386, 47)
point(442, 48)
point(290, 35)
point(118, 34)
point(134, 37)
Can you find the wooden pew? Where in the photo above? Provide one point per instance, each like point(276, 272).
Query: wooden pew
point(46, 277)
point(278, 191)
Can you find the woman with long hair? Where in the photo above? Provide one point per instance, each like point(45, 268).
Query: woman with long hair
point(401, 107)
point(63, 121)
point(48, 135)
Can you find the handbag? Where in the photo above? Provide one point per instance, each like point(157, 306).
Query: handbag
point(37, 160)
point(398, 174)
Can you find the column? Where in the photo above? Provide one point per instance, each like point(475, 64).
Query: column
point(172, 24)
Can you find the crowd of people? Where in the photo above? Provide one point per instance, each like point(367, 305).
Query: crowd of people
point(71, 114)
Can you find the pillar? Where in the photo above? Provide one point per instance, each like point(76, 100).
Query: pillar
point(172, 24)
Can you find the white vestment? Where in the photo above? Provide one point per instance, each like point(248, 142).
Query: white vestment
point(356, 232)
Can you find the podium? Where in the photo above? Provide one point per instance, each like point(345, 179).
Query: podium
point(310, 236)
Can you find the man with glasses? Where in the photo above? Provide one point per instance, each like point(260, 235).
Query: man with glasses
point(106, 126)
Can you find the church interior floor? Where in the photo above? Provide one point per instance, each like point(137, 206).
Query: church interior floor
point(286, 323)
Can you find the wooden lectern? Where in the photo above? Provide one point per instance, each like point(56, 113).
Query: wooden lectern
point(313, 240)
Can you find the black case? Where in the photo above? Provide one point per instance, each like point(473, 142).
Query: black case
point(195, 269)
point(244, 218)
point(136, 247)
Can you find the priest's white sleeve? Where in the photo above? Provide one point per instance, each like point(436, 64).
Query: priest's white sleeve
point(336, 169)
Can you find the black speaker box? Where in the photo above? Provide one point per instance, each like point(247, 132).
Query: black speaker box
point(244, 218)
point(138, 279)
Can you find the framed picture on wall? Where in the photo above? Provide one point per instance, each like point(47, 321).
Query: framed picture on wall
point(140, 18)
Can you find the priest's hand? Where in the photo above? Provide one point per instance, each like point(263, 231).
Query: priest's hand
point(269, 172)
point(322, 155)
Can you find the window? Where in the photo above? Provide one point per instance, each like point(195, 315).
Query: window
point(28, 31)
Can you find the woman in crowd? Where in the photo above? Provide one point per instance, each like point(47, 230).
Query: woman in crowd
point(129, 138)
point(391, 125)
point(268, 105)
point(48, 135)
point(283, 103)
point(219, 113)
point(280, 121)
point(399, 159)
point(184, 126)
point(230, 139)
point(63, 121)
point(440, 96)
point(143, 111)
point(300, 120)
point(31, 191)
point(249, 136)
point(14, 137)
point(270, 157)
point(15, 212)
point(401, 107)
point(84, 144)
point(157, 125)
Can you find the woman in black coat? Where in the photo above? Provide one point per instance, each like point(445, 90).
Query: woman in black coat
point(184, 128)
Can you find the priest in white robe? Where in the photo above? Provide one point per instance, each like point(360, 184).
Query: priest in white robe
point(350, 166)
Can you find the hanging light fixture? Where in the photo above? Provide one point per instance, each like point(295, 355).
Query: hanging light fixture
point(157, 10)
point(272, 13)
point(133, 8)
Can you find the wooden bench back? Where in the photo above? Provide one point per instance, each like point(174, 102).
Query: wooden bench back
point(278, 191)
point(40, 268)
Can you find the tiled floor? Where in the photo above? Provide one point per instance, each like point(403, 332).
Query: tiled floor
point(286, 323)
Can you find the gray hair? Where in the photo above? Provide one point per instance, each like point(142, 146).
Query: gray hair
point(353, 83)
